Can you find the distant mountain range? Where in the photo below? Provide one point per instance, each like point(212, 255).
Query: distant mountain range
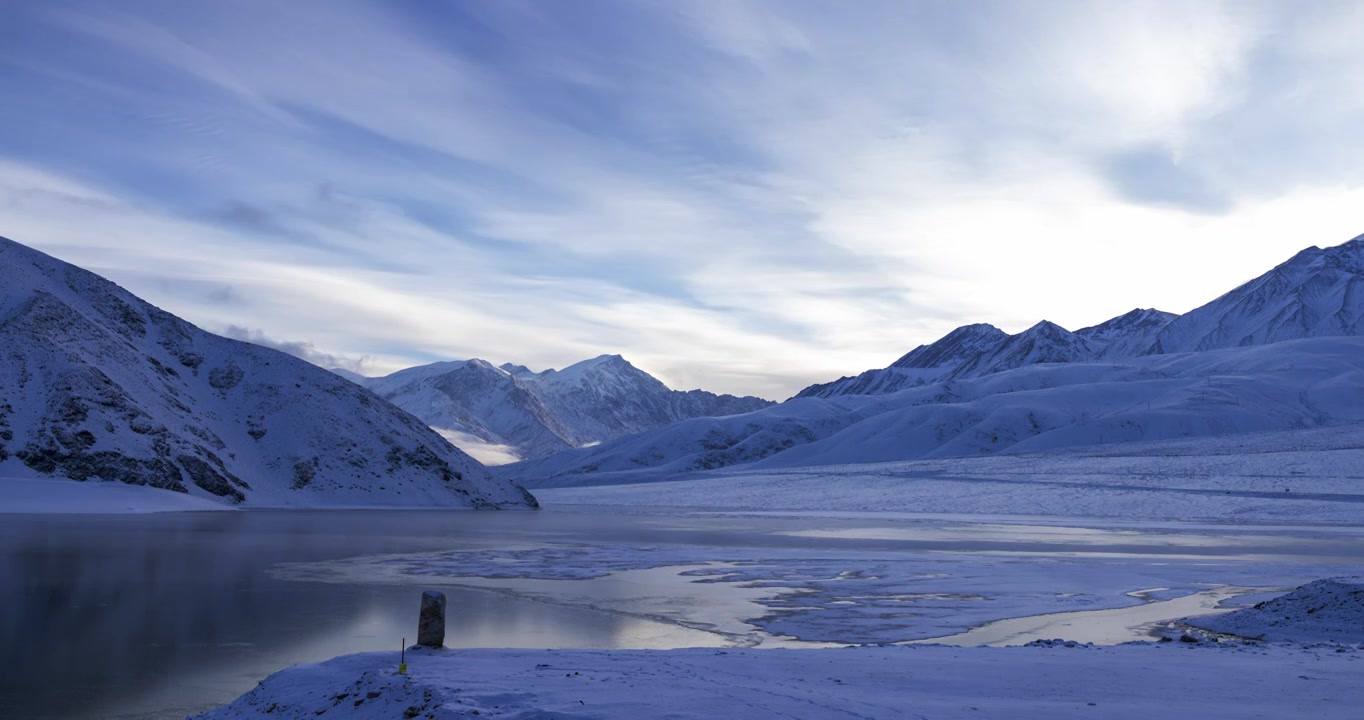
point(96, 384)
point(1144, 375)
point(536, 414)
point(1317, 293)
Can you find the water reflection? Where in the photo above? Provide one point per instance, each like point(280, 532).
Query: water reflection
point(156, 617)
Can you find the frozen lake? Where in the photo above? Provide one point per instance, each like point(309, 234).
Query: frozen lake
point(156, 616)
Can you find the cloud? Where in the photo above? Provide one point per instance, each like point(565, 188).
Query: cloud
point(302, 350)
point(481, 450)
point(1155, 175)
point(742, 196)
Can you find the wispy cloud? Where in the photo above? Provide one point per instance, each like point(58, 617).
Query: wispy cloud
point(304, 350)
point(746, 196)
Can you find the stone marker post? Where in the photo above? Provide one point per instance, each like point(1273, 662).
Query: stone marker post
point(431, 624)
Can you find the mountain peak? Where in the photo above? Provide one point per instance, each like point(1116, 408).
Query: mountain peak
point(603, 363)
point(1046, 327)
point(516, 370)
point(1138, 317)
point(1129, 334)
point(484, 365)
point(954, 348)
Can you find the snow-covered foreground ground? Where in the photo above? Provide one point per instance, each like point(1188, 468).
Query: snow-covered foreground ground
point(1138, 682)
point(1301, 476)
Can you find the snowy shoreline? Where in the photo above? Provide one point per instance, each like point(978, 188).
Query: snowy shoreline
point(1310, 669)
point(57, 496)
point(1127, 681)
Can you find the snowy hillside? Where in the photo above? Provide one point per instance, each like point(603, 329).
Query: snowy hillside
point(538, 414)
point(1317, 293)
point(1285, 477)
point(98, 385)
point(1329, 610)
point(1296, 384)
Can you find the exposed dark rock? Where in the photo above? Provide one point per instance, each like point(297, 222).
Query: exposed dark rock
point(431, 622)
point(304, 472)
point(104, 465)
point(225, 378)
point(206, 477)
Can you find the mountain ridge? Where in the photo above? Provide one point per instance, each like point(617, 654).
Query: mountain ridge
point(1285, 324)
point(588, 402)
point(98, 384)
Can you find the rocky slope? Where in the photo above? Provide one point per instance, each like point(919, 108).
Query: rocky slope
point(98, 385)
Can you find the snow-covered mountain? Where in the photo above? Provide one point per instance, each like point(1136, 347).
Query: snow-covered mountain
point(955, 348)
point(476, 399)
point(606, 397)
point(1045, 342)
point(1127, 335)
point(542, 413)
point(969, 351)
point(1036, 407)
point(1278, 352)
point(1316, 293)
point(924, 364)
point(97, 384)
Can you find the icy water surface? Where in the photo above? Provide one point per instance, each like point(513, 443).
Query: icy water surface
point(157, 616)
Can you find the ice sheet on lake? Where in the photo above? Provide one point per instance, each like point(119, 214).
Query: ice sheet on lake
point(768, 596)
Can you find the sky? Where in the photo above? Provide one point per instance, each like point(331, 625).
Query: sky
point(742, 196)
